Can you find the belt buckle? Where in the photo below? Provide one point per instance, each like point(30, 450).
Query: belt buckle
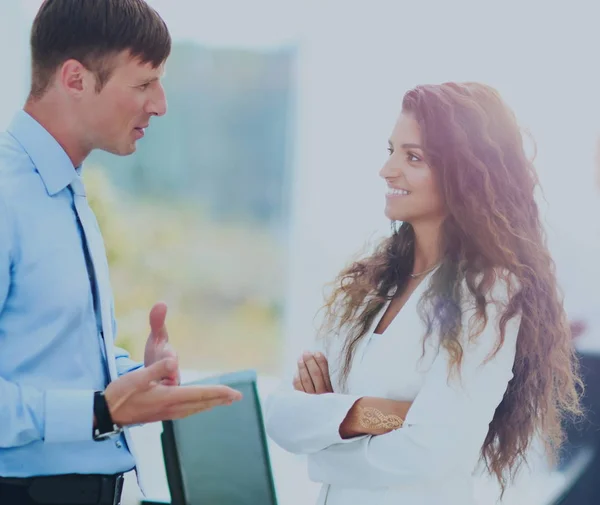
point(111, 488)
point(118, 489)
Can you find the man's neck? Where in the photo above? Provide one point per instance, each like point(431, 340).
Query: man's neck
point(56, 119)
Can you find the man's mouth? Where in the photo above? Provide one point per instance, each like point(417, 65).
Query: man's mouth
point(140, 130)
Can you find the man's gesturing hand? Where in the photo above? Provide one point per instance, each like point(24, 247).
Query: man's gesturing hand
point(141, 396)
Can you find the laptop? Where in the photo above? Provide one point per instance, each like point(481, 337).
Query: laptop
point(221, 457)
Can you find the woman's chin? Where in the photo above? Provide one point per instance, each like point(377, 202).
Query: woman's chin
point(395, 216)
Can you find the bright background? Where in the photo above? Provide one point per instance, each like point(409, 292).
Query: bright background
point(261, 181)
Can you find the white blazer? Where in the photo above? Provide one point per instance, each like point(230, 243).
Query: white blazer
point(431, 459)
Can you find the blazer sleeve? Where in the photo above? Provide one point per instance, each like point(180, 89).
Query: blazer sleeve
point(447, 422)
point(304, 423)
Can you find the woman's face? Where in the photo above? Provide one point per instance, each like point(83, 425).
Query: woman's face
point(413, 194)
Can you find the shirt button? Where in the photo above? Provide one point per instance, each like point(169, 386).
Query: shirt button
point(118, 444)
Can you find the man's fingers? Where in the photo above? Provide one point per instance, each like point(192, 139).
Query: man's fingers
point(169, 352)
point(324, 366)
point(206, 404)
point(297, 383)
point(173, 395)
point(183, 394)
point(187, 400)
point(186, 409)
point(158, 316)
point(163, 369)
point(183, 409)
point(140, 396)
point(169, 382)
point(315, 373)
point(305, 379)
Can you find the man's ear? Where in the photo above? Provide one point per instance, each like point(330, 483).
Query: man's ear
point(74, 78)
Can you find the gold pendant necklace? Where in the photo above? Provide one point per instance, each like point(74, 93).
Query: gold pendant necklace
point(414, 276)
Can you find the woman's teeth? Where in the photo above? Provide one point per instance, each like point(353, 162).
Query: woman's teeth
point(397, 192)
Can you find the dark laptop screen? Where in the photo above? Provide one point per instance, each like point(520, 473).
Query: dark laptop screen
point(222, 453)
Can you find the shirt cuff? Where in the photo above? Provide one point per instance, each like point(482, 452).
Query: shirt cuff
point(69, 415)
point(341, 408)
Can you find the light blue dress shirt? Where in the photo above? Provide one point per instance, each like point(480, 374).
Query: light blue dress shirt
point(52, 357)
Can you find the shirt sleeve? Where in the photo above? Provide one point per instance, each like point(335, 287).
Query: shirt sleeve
point(303, 423)
point(446, 425)
point(28, 414)
point(124, 362)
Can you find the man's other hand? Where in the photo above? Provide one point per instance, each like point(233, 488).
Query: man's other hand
point(142, 396)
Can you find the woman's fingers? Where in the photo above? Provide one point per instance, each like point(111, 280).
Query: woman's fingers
point(324, 366)
point(305, 377)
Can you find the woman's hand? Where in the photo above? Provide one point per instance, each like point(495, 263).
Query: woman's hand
point(368, 416)
point(373, 416)
point(313, 374)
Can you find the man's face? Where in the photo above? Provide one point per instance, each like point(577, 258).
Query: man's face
point(115, 118)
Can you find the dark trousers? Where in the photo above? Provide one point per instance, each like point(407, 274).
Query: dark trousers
point(62, 490)
point(15, 495)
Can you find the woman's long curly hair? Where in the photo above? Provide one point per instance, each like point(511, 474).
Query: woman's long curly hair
point(474, 145)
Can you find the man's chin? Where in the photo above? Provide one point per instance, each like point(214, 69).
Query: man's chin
point(125, 150)
point(122, 150)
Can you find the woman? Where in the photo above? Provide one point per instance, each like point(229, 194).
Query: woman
point(449, 344)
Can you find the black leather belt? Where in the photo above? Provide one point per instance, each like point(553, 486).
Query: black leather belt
point(71, 489)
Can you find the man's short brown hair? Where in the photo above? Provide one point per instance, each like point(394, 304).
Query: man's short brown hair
point(93, 32)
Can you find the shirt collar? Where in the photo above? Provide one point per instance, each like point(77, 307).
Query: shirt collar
point(50, 159)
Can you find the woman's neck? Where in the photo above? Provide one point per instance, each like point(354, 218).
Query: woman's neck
point(427, 245)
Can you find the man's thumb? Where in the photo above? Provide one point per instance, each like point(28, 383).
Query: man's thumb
point(158, 315)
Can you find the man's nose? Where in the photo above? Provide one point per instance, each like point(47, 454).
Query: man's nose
point(158, 105)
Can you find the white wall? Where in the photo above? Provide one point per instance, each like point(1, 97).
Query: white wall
point(14, 34)
point(356, 62)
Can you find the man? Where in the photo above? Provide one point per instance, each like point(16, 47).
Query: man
point(66, 393)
